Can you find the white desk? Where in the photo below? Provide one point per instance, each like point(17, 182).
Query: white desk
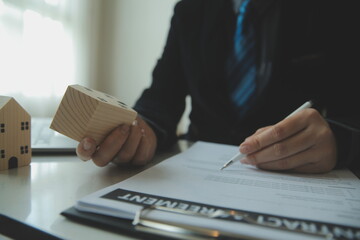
point(36, 194)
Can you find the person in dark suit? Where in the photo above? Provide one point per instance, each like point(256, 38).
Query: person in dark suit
point(300, 50)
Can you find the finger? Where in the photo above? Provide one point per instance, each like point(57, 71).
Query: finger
point(273, 134)
point(295, 161)
point(282, 149)
point(129, 148)
point(316, 159)
point(144, 152)
point(316, 167)
point(325, 163)
point(86, 148)
point(111, 145)
point(147, 145)
point(260, 130)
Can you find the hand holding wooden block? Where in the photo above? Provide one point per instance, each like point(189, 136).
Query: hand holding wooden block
point(84, 112)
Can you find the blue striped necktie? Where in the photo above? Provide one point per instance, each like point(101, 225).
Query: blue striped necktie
point(241, 65)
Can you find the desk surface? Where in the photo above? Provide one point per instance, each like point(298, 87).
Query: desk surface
point(36, 194)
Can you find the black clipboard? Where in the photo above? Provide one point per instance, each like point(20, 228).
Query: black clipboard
point(143, 228)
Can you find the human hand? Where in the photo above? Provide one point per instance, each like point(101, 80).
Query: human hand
point(133, 144)
point(303, 143)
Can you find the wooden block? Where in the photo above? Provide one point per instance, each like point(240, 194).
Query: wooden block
point(84, 112)
point(15, 134)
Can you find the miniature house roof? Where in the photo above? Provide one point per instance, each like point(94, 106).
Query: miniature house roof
point(4, 100)
point(11, 102)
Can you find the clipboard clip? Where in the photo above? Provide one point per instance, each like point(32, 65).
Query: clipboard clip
point(186, 231)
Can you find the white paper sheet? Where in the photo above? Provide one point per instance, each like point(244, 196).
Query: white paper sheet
point(284, 199)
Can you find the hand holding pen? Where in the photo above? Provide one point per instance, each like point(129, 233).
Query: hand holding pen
point(302, 142)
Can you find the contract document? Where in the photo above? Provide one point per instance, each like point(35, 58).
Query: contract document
point(267, 205)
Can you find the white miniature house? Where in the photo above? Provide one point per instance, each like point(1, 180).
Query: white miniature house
point(15, 138)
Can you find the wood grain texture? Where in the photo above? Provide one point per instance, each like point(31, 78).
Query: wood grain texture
point(84, 112)
point(15, 134)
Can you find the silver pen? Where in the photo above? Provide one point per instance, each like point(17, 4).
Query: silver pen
point(239, 155)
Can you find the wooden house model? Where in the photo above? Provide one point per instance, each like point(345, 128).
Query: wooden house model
point(15, 137)
point(84, 112)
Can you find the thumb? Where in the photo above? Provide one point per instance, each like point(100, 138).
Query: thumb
point(86, 148)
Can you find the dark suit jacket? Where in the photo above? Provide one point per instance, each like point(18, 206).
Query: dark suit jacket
point(306, 50)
